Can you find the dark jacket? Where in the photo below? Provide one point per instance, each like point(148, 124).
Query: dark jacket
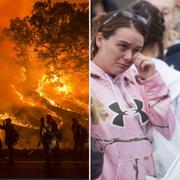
point(11, 135)
point(172, 57)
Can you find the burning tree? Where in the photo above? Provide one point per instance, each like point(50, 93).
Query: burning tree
point(56, 35)
point(20, 33)
point(54, 31)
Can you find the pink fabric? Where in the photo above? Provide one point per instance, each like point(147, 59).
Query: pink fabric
point(123, 106)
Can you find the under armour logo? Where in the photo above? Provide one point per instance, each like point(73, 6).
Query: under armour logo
point(119, 119)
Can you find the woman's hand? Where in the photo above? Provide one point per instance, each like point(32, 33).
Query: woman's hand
point(144, 65)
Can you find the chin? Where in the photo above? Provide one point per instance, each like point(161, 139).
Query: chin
point(120, 71)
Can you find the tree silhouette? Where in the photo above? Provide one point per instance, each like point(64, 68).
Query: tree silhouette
point(52, 29)
point(49, 24)
point(20, 33)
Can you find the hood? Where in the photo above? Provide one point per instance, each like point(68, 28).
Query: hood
point(97, 73)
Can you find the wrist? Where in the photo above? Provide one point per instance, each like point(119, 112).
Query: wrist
point(147, 76)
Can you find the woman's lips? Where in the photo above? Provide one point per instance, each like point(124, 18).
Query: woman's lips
point(123, 66)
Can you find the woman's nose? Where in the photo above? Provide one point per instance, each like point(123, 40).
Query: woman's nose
point(128, 55)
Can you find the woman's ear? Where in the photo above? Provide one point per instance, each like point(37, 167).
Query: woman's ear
point(99, 39)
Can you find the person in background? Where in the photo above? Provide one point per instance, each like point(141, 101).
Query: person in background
point(56, 137)
point(171, 41)
point(177, 14)
point(0, 149)
point(44, 140)
point(52, 139)
point(127, 103)
point(42, 131)
point(101, 6)
point(11, 137)
point(79, 139)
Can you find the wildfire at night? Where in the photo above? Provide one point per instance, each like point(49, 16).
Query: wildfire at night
point(35, 83)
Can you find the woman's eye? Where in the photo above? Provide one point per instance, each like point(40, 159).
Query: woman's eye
point(123, 47)
point(136, 51)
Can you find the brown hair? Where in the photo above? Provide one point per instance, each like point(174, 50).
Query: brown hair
point(156, 25)
point(107, 24)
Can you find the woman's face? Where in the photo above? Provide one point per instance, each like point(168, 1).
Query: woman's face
point(116, 53)
point(167, 8)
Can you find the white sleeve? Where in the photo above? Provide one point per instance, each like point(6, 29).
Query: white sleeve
point(170, 76)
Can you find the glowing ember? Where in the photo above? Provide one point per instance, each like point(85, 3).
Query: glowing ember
point(4, 116)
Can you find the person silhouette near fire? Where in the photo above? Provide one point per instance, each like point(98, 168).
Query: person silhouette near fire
point(11, 137)
point(53, 137)
point(49, 138)
point(44, 140)
point(80, 137)
point(0, 149)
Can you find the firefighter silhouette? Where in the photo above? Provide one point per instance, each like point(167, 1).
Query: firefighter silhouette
point(54, 137)
point(0, 149)
point(50, 139)
point(80, 136)
point(11, 137)
point(44, 140)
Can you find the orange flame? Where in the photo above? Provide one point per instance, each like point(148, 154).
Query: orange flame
point(17, 121)
point(21, 96)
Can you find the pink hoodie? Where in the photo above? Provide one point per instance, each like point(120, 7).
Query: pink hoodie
point(124, 113)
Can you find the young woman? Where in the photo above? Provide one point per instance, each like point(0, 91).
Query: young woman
point(126, 103)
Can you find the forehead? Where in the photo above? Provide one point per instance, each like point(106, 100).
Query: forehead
point(129, 35)
point(160, 4)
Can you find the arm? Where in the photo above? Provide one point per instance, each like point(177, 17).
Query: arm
point(156, 96)
point(160, 113)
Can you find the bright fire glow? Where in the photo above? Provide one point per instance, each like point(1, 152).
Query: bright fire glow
point(21, 96)
point(24, 91)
